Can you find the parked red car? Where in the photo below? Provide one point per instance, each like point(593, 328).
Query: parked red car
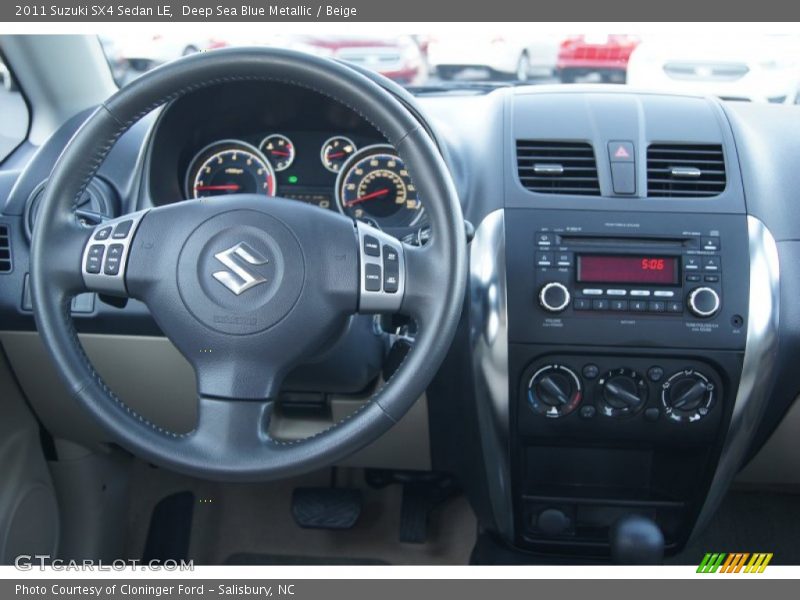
point(399, 59)
point(605, 55)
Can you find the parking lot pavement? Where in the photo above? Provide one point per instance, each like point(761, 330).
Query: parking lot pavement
point(13, 121)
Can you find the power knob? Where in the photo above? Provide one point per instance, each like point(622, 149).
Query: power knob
point(554, 297)
point(703, 302)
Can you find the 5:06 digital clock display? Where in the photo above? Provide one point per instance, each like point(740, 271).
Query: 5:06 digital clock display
point(660, 270)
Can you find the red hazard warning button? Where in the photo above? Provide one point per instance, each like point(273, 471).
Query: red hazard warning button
point(621, 151)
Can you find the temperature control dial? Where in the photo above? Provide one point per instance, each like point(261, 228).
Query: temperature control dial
point(621, 392)
point(554, 296)
point(687, 396)
point(554, 391)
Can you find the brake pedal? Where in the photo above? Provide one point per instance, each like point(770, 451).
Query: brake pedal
point(326, 508)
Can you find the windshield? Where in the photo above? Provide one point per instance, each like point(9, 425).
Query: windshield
point(759, 68)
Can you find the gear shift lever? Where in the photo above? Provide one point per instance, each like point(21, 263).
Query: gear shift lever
point(636, 540)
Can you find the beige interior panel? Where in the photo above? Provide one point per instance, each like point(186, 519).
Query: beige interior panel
point(153, 378)
point(778, 461)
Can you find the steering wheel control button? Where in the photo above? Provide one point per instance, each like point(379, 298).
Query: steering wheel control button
point(703, 302)
point(122, 229)
point(554, 297)
point(113, 259)
point(372, 278)
point(105, 256)
point(94, 259)
point(103, 233)
point(382, 270)
point(371, 246)
point(554, 391)
point(391, 270)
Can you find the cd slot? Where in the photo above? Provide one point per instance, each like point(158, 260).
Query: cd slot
point(622, 242)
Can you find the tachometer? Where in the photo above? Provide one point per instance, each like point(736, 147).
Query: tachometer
point(229, 167)
point(279, 150)
point(335, 152)
point(375, 186)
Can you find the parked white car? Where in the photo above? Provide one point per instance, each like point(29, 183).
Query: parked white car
point(512, 55)
point(765, 69)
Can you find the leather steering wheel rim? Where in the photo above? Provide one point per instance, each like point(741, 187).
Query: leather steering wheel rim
point(231, 442)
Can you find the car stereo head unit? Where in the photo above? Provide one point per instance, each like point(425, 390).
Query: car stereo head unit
point(656, 275)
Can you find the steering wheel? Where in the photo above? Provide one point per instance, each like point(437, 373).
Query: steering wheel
point(246, 286)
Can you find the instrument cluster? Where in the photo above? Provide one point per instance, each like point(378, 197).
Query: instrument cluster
point(359, 178)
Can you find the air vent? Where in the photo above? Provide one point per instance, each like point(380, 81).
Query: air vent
point(685, 170)
point(5, 249)
point(557, 167)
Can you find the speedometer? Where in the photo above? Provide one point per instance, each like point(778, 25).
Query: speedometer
point(229, 167)
point(374, 186)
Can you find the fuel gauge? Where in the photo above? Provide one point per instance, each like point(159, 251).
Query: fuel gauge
point(335, 152)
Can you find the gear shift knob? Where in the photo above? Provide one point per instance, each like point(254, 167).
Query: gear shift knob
point(636, 540)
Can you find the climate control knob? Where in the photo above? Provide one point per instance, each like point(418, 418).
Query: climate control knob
point(621, 392)
point(554, 297)
point(554, 391)
point(687, 396)
point(703, 302)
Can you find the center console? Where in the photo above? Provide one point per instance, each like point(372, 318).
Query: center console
point(623, 314)
point(626, 334)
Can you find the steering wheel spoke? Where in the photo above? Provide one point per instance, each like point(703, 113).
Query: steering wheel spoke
point(106, 255)
point(232, 426)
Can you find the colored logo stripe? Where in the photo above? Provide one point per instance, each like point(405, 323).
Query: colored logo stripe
point(734, 562)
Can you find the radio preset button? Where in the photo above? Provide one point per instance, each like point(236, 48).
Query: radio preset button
point(619, 305)
point(616, 292)
point(638, 305)
point(674, 307)
point(582, 304)
point(640, 293)
point(657, 306)
point(664, 294)
point(600, 304)
point(592, 292)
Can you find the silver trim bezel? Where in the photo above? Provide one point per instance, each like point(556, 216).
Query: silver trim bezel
point(489, 343)
point(755, 384)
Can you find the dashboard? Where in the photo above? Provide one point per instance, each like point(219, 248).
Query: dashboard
point(631, 327)
point(278, 140)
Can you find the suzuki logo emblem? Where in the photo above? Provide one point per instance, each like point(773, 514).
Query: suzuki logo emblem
point(238, 279)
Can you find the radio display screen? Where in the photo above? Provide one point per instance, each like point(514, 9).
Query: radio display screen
point(659, 270)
